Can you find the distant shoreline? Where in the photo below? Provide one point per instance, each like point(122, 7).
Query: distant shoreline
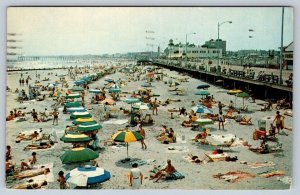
point(32, 69)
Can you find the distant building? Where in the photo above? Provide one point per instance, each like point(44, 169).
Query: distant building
point(216, 44)
point(193, 51)
point(288, 57)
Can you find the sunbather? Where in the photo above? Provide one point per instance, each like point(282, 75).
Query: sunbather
point(169, 169)
point(36, 185)
point(246, 121)
point(26, 174)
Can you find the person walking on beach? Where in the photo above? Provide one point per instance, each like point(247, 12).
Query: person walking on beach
point(141, 130)
point(279, 121)
point(20, 81)
point(220, 106)
point(135, 177)
point(221, 120)
point(155, 106)
point(55, 116)
point(62, 181)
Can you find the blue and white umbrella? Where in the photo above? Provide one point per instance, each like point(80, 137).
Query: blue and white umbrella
point(88, 175)
point(202, 109)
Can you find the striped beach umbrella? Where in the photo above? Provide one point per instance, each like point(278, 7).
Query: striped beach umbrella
point(76, 109)
point(73, 104)
point(114, 90)
point(88, 175)
point(83, 120)
point(202, 109)
point(127, 136)
point(204, 121)
point(95, 91)
point(76, 115)
point(243, 95)
point(75, 138)
point(88, 126)
point(109, 80)
point(234, 91)
point(78, 155)
point(73, 95)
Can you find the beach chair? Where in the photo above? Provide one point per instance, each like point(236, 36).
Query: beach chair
point(247, 121)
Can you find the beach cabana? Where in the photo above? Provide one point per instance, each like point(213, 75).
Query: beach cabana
point(127, 136)
point(78, 155)
point(88, 175)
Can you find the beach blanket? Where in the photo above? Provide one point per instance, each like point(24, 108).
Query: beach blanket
point(234, 176)
point(174, 176)
point(116, 121)
point(260, 164)
point(221, 140)
point(177, 149)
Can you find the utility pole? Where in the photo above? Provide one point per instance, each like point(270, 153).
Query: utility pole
point(281, 48)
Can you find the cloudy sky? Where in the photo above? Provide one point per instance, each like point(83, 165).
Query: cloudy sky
point(72, 31)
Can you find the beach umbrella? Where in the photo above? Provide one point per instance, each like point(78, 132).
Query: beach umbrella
point(73, 95)
point(75, 138)
point(76, 109)
point(243, 95)
point(127, 136)
point(203, 92)
point(78, 155)
point(173, 84)
point(234, 91)
point(205, 86)
point(114, 90)
point(73, 104)
point(80, 82)
point(88, 175)
point(204, 121)
point(83, 120)
point(201, 109)
point(141, 106)
point(76, 115)
point(109, 80)
point(131, 101)
point(95, 91)
point(88, 126)
point(76, 88)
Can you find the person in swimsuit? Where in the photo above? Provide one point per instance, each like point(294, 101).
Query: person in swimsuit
point(278, 121)
point(169, 169)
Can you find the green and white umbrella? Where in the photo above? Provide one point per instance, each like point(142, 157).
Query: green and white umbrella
point(76, 115)
point(202, 92)
point(88, 126)
point(73, 95)
point(203, 121)
point(114, 90)
point(77, 88)
point(73, 104)
point(243, 95)
point(75, 138)
point(78, 155)
point(83, 120)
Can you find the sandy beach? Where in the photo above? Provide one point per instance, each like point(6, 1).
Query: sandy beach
point(197, 176)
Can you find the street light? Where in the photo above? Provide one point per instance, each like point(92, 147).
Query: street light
point(220, 24)
point(186, 35)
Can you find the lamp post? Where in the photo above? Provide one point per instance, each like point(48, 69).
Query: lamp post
point(220, 24)
point(186, 36)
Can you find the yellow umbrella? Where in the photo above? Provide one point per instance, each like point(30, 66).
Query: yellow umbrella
point(83, 120)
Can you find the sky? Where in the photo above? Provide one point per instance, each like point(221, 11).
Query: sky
point(100, 30)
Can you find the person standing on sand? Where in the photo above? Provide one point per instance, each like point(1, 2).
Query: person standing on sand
point(220, 106)
point(62, 181)
point(221, 120)
point(55, 116)
point(141, 130)
point(135, 177)
point(279, 121)
point(155, 106)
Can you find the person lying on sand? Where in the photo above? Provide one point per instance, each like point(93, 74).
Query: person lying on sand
point(201, 137)
point(37, 147)
point(169, 169)
point(34, 136)
point(36, 185)
point(195, 159)
point(27, 174)
point(229, 114)
point(187, 123)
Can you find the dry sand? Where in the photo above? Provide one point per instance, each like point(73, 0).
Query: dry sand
point(196, 176)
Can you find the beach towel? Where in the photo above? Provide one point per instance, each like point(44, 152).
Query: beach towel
point(174, 176)
point(234, 176)
point(260, 164)
point(221, 140)
point(116, 121)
